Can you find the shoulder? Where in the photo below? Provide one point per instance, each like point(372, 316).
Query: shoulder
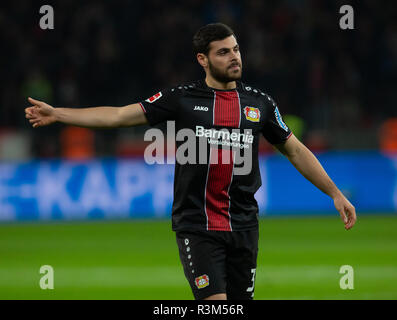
point(256, 93)
point(172, 92)
point(253, 91)
point(185, 87)
point(192, 89)
point(175, 94)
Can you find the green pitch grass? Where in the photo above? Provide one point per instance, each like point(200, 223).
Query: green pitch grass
point(299, 258)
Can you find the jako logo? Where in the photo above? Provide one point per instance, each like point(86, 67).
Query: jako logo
point(200, 108)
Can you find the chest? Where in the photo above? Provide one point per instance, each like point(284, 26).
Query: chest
point(221, 109)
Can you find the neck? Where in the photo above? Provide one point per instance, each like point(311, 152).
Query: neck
point(212, 83)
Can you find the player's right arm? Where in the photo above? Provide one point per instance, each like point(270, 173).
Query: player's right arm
point(42, 114)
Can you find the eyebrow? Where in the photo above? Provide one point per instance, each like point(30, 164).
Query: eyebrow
point(227, 49)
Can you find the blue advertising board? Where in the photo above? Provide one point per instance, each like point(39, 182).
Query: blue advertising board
point(114, 188)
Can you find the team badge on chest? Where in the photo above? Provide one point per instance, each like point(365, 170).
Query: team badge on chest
point(252, 114)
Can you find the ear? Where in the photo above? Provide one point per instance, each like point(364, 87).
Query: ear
point(202, 59)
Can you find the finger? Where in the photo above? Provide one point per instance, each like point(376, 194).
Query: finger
point(343, 215)
point(28, 110)
point(352, 218)
point(34, 120)
point(353, 222)
point(347, 219)
point(34, 101)
point(349, 226)
point(30, 115)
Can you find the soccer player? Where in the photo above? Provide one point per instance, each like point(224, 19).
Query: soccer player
point(214, 213)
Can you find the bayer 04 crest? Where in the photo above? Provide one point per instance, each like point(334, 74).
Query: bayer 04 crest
point(252, 114)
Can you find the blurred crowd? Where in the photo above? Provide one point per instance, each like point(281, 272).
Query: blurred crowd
point(334, 86)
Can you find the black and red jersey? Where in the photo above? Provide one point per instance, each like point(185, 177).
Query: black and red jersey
point(212, 194)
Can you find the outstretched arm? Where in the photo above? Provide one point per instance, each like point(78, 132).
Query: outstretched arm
point(308, 165)
point(42, 114)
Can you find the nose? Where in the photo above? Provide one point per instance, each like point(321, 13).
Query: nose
point(235, 56)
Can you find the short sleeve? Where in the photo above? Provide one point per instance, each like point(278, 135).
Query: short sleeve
point(161, 107)
point(274, 130)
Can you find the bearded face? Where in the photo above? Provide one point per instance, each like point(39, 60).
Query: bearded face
point(227, 73)
point(223, 62)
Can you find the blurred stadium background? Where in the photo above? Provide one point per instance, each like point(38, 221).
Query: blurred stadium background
point(85, 202)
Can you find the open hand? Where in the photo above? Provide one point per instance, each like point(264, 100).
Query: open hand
point(40, 113)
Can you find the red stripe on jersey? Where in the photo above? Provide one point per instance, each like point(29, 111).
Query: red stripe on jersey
point(227, 109)
point(217, 199)
point(143, 108)
point(226, 113)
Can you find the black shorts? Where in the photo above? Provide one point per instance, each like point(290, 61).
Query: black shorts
point(219, 262)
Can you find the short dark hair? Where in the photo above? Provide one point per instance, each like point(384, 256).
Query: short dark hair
point(208, 33)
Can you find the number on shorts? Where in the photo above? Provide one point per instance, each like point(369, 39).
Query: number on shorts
point(251, 289)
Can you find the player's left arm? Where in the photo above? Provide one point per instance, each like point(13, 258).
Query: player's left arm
point(308, 165)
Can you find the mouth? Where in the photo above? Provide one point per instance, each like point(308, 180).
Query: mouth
point(234, 66)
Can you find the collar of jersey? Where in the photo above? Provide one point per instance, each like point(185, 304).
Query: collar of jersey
point(204, 84)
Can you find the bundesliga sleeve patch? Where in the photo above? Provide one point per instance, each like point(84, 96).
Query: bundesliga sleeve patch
point(280, 120)
point(202, 281)
point(154, 97)
point(252, 114)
